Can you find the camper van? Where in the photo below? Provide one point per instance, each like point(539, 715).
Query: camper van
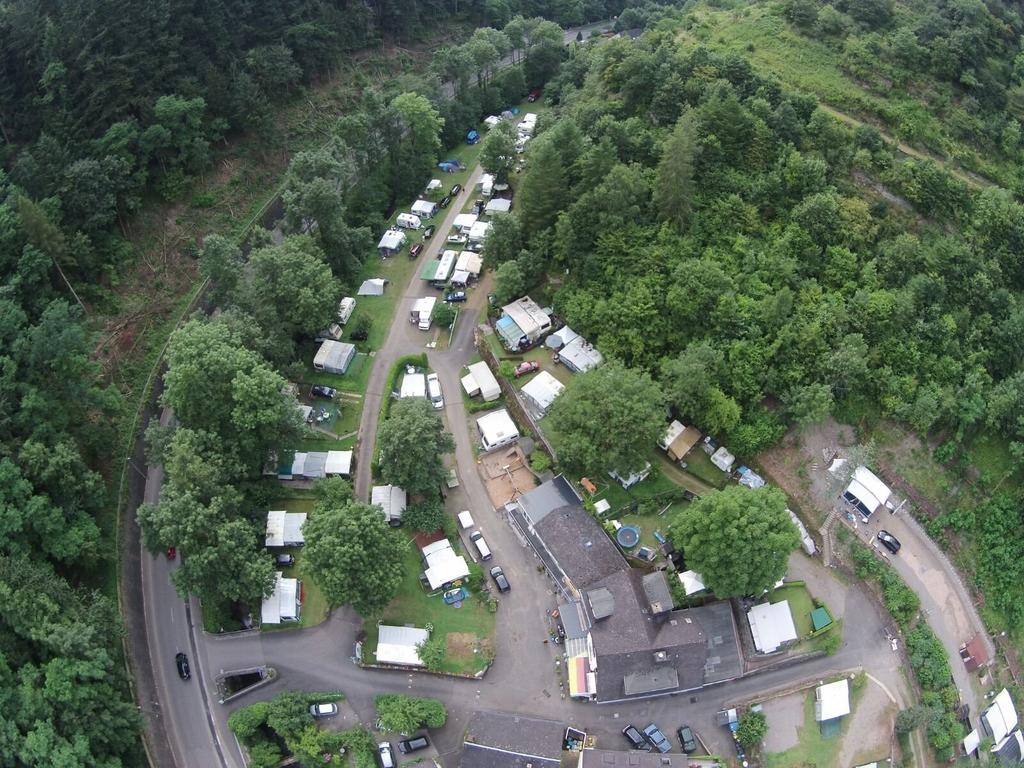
point(421, 311)
point(408, 221)
point(481, 546)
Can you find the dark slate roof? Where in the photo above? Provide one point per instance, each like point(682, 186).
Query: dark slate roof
point(1012, 751)
point(659, 598)
point(607, 758)
point(724, 661)
point(547, 497)
point(602, 602)
point(582, 548)
point(574, 620)
point(500, 740)
point(663, 678)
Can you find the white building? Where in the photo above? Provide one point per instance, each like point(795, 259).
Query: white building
point(399, 645)
point(542, 390)
point(867, 492)
point(443, 565)
point(771, 625)
point(284, 529)
point(832, 700)
point(284, 603)
point(464, 222)
point(522, 323)
point(392, 501)
point(480, 380)
point(496, 430)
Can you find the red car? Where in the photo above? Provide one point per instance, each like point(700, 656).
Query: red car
point(534, 95)
point(171, 553)
point(416, 250)
point(527, 366)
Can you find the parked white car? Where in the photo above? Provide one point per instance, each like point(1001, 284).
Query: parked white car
point(434, 391)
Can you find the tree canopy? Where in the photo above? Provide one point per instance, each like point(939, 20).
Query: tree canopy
point(405, 714)
point(739, 540)
point(412, 440)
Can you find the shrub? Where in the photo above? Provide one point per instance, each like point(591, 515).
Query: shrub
point(752, 729)
point(540, 461)
point(432, 652)
point(404, 714)
point(444, 314)
point(831, 642)
point(359, 328)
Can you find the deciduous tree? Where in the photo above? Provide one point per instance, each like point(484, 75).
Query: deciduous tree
point(412, 440)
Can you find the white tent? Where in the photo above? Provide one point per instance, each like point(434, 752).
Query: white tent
point(392, 501)
point(469, 384)
point(542, 390)
point(498, 205)
point(497, 429)
point(397, 645)
point(832, 700)
point(1001, 718)
point(334, 356)
point(469, 262)
point(284, 529)
point(577, 354)
point(283, 604)
point(478, 232)
point(692, 582)
point(485, 382)
point(464, 222)
point(866, 491)
point(433, 185)
point(723, 459)
point(771, 625)
point(460, 277)
point(491, 120)
point(338, 463)
point(372, 287)
point(675, 429)
point(443, 565)
point(414, 385)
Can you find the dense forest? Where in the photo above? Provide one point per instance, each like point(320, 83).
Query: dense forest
point(770, 265)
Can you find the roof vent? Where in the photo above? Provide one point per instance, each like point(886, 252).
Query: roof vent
point(688, 620)
point(588, 544)
point(660, 656)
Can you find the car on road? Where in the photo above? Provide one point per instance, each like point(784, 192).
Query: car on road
point(658, 739)
point(686, 739)
point(635, 738)
point(434, 390)
point(889, 541)
point(499, 578)
point(319, 390)
point(453, 297)
point(413, 744)
point(428, 232)
point(416, 250)
point(181, 660)
point(445, 201)
point(285, 560)
point(527, 366)
point(385, 755)
point(327, 709)
point(456, 188)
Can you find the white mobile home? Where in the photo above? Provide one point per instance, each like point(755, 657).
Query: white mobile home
point(478, 232)
point(486, 185)
point(867, 492)
point(345, 309)
point(413, 385)
point(284, 604)
point(483, 382)
point(391, 243)
point(400, 645)
point(334, 357)
point(425, 209)
point(408, 221)
point(522, 323)
point(440, 270)
point(497, 430)
point(422, 310)
point(338, 463)
point(542, 390)
point(464, 222)
point(284, 529)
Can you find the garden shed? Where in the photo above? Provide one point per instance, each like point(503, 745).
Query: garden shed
point(771, 625)
point(483, 382)
point(399, 645)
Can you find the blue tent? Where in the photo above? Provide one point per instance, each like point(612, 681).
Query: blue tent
point(472, 137)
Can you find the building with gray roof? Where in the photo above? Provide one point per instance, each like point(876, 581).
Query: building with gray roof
point(500, 740)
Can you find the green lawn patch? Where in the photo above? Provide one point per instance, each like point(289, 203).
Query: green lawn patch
point(699, 465)
point(814, 749)
point(469, 629)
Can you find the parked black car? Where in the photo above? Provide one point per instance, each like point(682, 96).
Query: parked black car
point(445, 201)
point(456, 188)
point(428, 232)
point(889, 541)
point(319, 390)
point(635, 738)
point(499, 578)
point(413, 744)
point(182, 661)
point(453, 297)
point(285, 560)
point(686, 739)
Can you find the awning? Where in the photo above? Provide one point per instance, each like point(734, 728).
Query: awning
point(580, 677)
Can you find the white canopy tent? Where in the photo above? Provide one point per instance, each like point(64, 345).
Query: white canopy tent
point(424, 208)
point(392, 241)
point(284, 529)
point(398, 645)
point(866, 491)
point(771, 625)
point(692, 582)
point(469, 262)
point(433, 185)
point(832, 700)
point(443, 565)
point(542, 390)
point(464, 222)
point(372, 287)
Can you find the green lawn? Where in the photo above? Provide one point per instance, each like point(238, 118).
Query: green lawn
point(468, 627)
point(654, 490)
point(699, 465)
point(800, 605)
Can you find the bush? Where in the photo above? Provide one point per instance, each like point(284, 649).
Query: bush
point(404, 714)
point(540, 461)
point(359, 328)
point(444, 314)
point(426, 516)
point(831, 642)
point(752, 729)
point(432, 652)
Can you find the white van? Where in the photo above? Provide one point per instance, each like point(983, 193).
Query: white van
point(408, 221)
point(481, 546)
point(434, 391)
point(465, 519)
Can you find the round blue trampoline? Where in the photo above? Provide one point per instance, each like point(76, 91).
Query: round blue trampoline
point(628, 536)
